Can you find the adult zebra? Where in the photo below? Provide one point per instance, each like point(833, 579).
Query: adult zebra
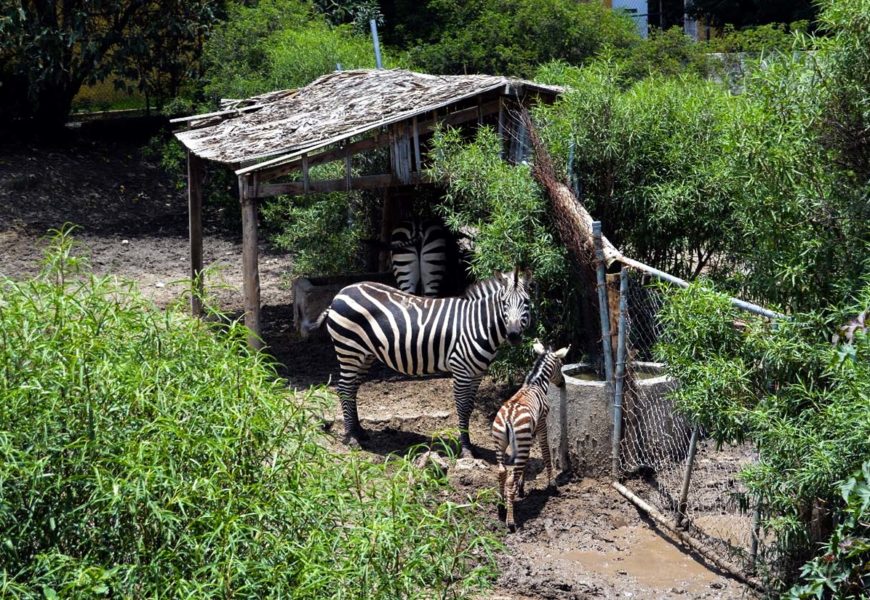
point(418, 336)
point(419, 256)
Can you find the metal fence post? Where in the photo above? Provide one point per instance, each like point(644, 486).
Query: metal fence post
point(620, 372)
point(687, 478)
point(602, 302)
point(373, 25)
point(756, 532)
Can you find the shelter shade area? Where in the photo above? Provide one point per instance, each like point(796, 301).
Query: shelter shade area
point(272, 141)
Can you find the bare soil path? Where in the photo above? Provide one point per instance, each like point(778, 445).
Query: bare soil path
point(585, 542)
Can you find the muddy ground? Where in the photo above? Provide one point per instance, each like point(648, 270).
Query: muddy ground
point(585, 542)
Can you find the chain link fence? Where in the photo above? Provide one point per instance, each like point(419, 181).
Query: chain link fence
point(660, 457)
point(693, 481)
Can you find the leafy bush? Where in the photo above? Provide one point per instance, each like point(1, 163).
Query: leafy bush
point(648, 160)
point(845, 58)
point(508, 214)
point(324, 232)
point(689, 177)
point(803, 401)
point(278, 44)
point(515, 36)
point(49, 50)
point(145, 453)
point(669, 52)
point(763, 38)
point(842, 572)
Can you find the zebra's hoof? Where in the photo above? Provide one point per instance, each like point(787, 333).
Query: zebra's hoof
point(466, 453)
point(352, 441)
point(502, 513)
point(357, 433)
point(512, 527)
point(553, 489)
point(521, 493)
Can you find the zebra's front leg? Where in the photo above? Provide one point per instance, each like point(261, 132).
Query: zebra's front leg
point(464, 393)
point(350, 378)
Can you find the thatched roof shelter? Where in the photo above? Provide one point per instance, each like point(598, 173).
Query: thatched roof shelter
point(334, 107)
point(273, 139)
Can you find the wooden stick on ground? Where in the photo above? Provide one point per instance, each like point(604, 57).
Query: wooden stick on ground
point(694, 544)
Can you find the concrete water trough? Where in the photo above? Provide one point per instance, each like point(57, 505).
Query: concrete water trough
point(580, 422)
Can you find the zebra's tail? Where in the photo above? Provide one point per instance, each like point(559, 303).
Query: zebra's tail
point(308, 327)
point(512, 438)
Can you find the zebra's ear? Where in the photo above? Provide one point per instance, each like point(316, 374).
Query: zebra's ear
point(539, 347)
point(562, 352)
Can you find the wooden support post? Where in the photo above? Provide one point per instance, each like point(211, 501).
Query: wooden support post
point(417, 159)
point(603, 311)
point(613, 284)
point(306, 182)
point(502, 129)
point(388, 221)
point(250, 267)
point(348, 170)
point(195, 175)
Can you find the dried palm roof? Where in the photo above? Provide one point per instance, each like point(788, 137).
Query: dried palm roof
point(330, 109)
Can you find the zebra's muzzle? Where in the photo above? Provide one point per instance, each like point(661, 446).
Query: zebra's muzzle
point(514, 337)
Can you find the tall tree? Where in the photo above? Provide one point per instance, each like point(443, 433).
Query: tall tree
point(743, 13)
point(50, 48)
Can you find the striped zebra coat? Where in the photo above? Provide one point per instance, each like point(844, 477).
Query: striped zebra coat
point(418, 336)
point(419, 256)
point(518, 421)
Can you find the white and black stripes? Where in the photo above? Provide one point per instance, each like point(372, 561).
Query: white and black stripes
point(419, 257)
point(518, 421)
point(418, 336)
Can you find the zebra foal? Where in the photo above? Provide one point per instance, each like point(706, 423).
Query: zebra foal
point(418, 336)
point(522, 417)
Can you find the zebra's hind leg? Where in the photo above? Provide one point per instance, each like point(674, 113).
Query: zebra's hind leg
point(514, 478)
point(502, 480)
point(541, 433)
point(353, 368)
point(464, 393)
point(500, 446)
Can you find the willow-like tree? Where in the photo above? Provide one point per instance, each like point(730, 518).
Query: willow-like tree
point(49, 49)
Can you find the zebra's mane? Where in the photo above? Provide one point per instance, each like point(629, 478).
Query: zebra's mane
point(537, 371)
point(484, 288)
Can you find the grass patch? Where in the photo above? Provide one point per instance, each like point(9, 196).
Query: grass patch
point(145, 453)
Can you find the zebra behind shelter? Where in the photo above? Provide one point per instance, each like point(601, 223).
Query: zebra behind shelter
point(518, 421)
point(418, 336)
point(419, 256)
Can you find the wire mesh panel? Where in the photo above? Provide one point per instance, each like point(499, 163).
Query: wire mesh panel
point(656, 449)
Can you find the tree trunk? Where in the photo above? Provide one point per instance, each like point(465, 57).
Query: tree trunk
point(53, 106)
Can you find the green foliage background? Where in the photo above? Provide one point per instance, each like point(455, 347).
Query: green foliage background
point(512, 37)
point(279, 44)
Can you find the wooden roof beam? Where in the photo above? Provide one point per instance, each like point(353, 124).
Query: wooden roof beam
point(344, 184)
point(293, 162)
